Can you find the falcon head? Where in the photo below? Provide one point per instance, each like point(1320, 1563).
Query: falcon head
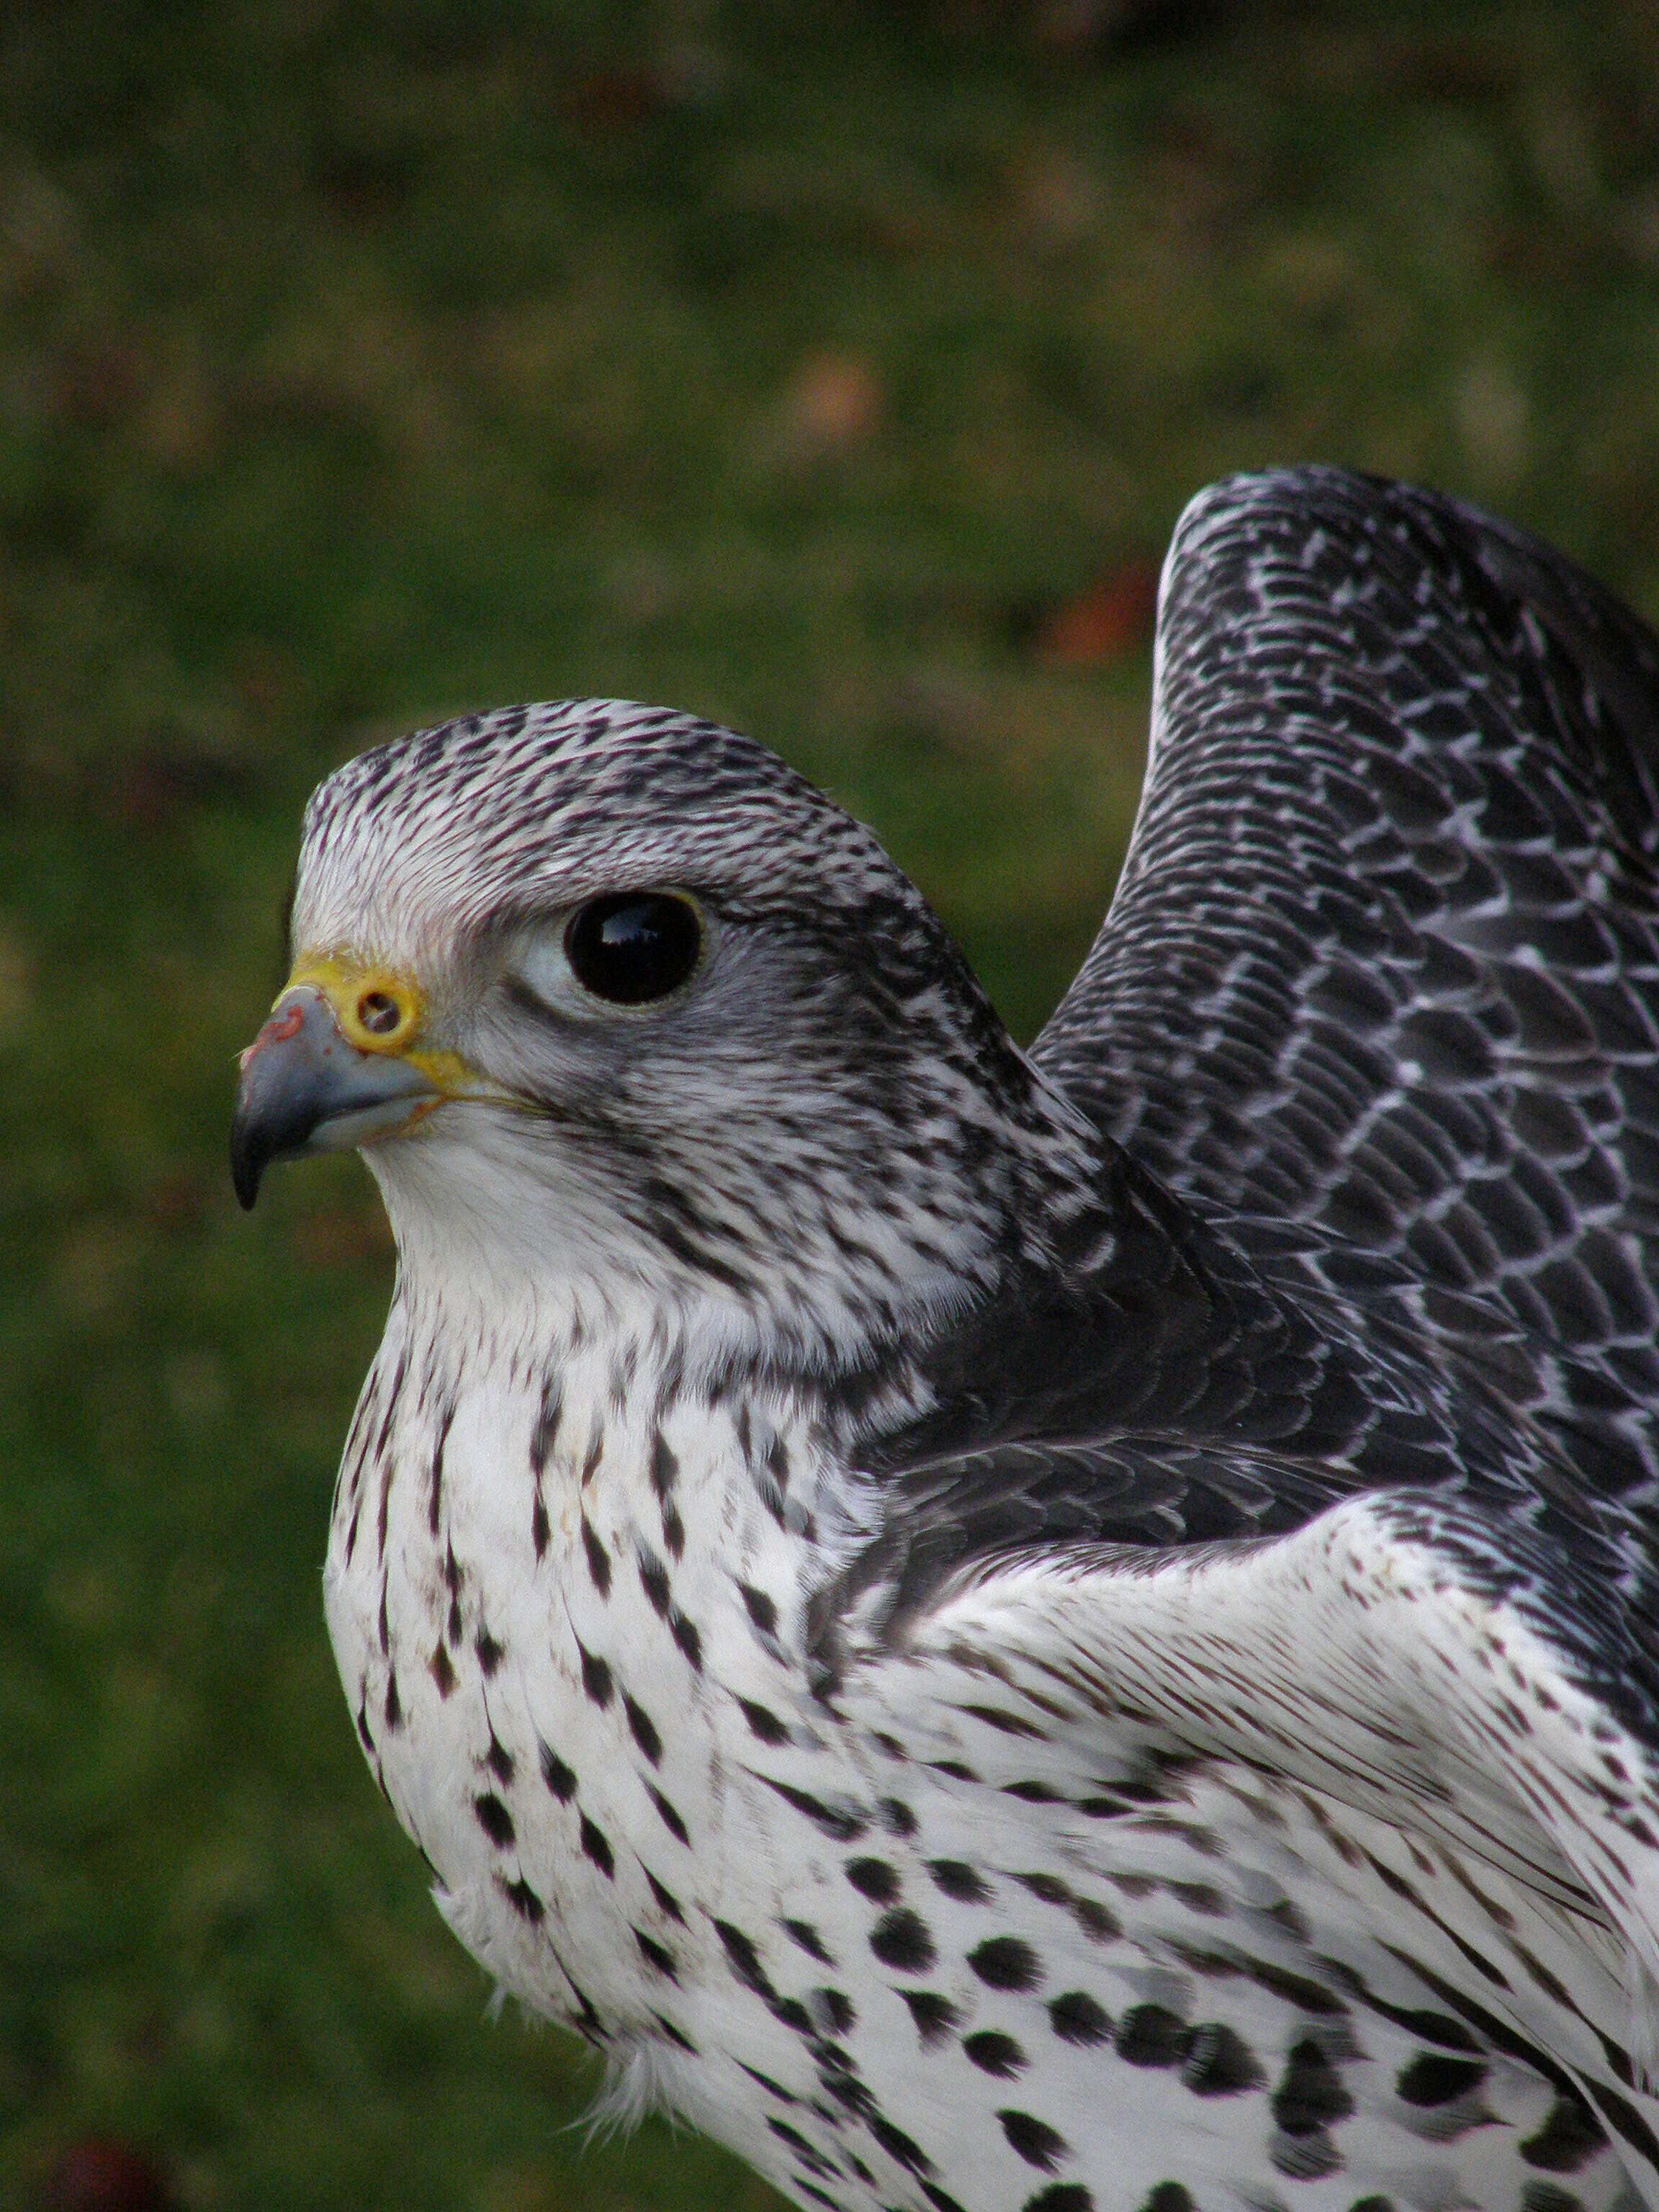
point(620, 1009)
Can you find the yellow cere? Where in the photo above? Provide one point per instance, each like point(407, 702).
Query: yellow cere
point(381, 1009)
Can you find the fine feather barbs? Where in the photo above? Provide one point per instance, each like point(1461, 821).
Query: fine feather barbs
point(1055, 1630)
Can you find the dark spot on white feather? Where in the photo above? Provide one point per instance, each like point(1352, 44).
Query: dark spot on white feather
point(762, 1610)
point(772, 2088)
point(560, 1778)
point(596, 1847)
point(643, 1730)
point(903, 2147)
point(545, 1432)
point(874, 1878)
point(665, 1465)
point(667, 1814)
point(1097, 1921)
point(1219, 2062)
point(1033, 2139)
point(804, 1933)
point(900, 1939)
point(494, 1818)
point(933, 2015)
point(522, 1899)
point(1006, 1962)
point(1076, 2017)
point(685, 1633)
point(1152, 2035)
point(840, 1822)
point(995, 2053)
point(666, 1900)
point(1569, 2137)
point(960, 1881)
point(657, 1954)
point(596, 1675)
point(653, 1581)
point(1304, 2158)
point(1311, 2093)
point(436, 1480)
point(598, 1559)
point(1433, 2078)
point(762, 1722)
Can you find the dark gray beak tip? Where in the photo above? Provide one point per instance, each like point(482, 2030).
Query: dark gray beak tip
point(289, 1073)
point(247, 1163)
point(244, 1176)
point(304, 1089)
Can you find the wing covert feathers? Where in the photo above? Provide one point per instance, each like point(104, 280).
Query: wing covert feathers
point(1384, 1659)
point(1384, 958)
point(1377, 1005)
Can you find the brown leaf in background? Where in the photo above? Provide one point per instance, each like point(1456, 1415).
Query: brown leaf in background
point(103, 2174)
point(179, 1199)
point(1114, 617)
point(617, 99)
point(834, 402)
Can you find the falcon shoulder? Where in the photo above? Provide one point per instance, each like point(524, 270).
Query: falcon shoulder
point(1320, 1455)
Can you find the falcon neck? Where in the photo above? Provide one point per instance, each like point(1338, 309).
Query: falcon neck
point(571, 1446)
point(816, 1289)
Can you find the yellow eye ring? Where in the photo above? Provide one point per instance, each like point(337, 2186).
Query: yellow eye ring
point(377, 1009)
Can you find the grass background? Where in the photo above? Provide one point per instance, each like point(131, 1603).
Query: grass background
point(832, 370)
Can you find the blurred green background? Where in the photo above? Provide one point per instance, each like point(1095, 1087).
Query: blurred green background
point(836, 371)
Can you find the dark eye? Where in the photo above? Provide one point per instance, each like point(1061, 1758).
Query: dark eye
point(633, 946)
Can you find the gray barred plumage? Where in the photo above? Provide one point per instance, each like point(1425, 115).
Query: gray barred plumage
point(1055, 1630)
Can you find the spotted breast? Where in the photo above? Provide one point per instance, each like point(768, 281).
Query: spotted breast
point(1051, 1631)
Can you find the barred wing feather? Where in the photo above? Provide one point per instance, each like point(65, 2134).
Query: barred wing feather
point(1384, 958)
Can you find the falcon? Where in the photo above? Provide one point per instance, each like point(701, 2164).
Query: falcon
point(1067, 1630)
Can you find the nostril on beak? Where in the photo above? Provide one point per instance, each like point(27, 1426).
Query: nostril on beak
point(305, 1087)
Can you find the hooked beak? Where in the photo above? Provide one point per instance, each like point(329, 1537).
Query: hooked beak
point(307, 1088)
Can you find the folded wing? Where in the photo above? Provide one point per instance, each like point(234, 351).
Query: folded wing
point(1389, 1708)
point(1325, 1456)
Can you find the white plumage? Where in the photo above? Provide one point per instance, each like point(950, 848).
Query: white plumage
point(1040, 1631)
